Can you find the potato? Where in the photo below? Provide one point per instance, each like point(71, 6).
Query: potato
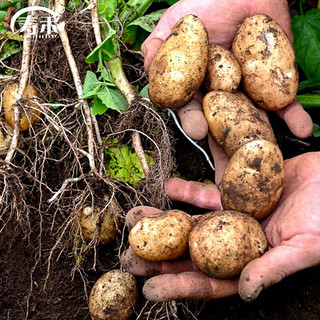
point(101, 221)
point(114, 296)
point(223, 242)
point(234, 121)
point(33, 114)
point(267, 60)
point(161, 237)
point(180, 64)
point(223, 72)
point(253, 180)
point(5, 136)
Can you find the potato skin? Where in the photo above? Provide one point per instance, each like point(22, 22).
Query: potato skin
point(253, 180)
point(223, 242)
point(33, 113)
point(267, 60)
point(223, 71)
point(180, 64)
point(6, 133)
point(161, 237)
point(234, 121)
point(114, 296)
point(106, 229)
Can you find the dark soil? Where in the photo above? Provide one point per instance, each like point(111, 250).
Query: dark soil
point(32, 290)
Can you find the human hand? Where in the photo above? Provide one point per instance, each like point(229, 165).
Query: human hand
point(292, 230)
point(221, 19)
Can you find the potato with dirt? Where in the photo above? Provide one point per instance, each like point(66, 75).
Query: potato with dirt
point(253, 180)
point(30, 115)
point(222, 243)
point(179, 66)
point(101, 221)
point(267, 60)
point(161, 237)
point(223, 72)
point(114, 296)
point(234, 121)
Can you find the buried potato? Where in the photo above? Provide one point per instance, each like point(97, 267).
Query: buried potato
point(222, 243)
point(114, 296)
point(161, 237)
point(179, 66)
point(253, 180)
point(30, 114)
point(101, 221)
point(267, 59)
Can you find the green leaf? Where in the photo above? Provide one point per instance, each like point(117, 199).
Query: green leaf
point(144, 93)
point(149, 21)
point(106, 48)
point(91, 85)
point(107, 8)
point(306, 31)
point(6, 4)
point(309, 85)
point(169, 2)
point(112, 98)
point(98, 107)
point(316, 131)
point(124, 165)
point(8, 49)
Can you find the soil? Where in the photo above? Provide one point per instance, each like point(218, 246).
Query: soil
point(33, 289)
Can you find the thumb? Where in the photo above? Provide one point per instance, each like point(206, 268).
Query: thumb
point(291, 256)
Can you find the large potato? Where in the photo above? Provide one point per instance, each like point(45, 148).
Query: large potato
point(267, 60)
point(101, 221)
point(253, 180)
point(161, 237)
point(114, 296)
point(224, 72)
point(234, 121)
point(180, 64)
point(223, 242)
point(30, 114)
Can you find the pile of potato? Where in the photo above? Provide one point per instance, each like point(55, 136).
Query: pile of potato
point(262, 61)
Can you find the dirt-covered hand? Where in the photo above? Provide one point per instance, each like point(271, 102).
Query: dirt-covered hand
point(222, 19)
point(292, 230)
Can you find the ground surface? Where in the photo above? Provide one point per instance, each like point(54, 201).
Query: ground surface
point(32, 290)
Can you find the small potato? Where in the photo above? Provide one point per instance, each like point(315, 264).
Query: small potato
point(114, 296)
point(179, 66)
point(223, 242)
point(161, 237)
point(234, 121)
point(33, 114)
point(224, 72)
point(102, 221)
point(267, 60)
point(253, 180)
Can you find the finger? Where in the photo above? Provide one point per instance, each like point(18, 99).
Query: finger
point(281, 261)
point(192, 120)
point(221, 159)
point(137, 213)
point(297, 119)
point(198, 194)
point(130, 262)
point(188, 285)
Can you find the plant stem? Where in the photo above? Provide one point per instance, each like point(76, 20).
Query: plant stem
point(309, 100)
point(133, 9)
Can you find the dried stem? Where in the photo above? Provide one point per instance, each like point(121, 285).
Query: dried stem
point(24, 71)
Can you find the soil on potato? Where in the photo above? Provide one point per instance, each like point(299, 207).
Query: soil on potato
point(32, 289)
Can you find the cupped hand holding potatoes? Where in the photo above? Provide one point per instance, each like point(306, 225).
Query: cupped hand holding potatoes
point(221, 19)
point(292, 231)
